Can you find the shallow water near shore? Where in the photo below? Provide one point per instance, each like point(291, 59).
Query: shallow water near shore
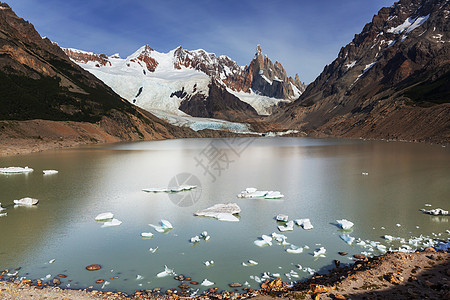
point(321, 179)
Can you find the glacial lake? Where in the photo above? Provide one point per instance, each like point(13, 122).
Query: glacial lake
point(321, 179)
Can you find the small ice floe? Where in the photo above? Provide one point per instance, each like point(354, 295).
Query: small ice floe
point(3, 214)
point(15, 170)
point(113, 222)
point(48, 276)
point(49, 172)
point(27, 201)
point(365, 173)
point(254, 193)
point(206, 282)
point(305, 223)
point(276, 275)
point(146, 235)
point(256, 278)
point(388, 237)
point(51, 261)
point(398, 225)
point(104, 216)
point(164, 226)
point(435, 212)
point(181, 188)
point(320, 252)
point(289, 226)
point(195, 239)
point(208, 263)
point(346, 238)
point(105, 284)
point(426, 204)
point(294, 249)
point(153, 250)
point(252, 262)
point(1, 208)
point(139, 277)
point(222, 212)
point(282, 218)
point(345, 224)
point(166, 272)
point(264, 241)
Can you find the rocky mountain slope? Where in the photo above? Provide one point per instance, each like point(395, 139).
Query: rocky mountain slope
point(38, 81)
point(392, 81)
point(187, 83)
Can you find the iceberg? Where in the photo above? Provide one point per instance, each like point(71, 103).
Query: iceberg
point(254, 193)
point(153, 250)
point(305, 223)
point(166, 272)
point(345, 224)
point(282, 218)
point(113, 222)
point(146, 234)
point(15, 170)
point(346, 238)
point(27, 201)
point(181, 188)
point(49, 172)
point(320, 252)
point(288, 227)
point(206, 282)
point(164, 227)
point(294, 249)
point(104, 216)
point(195, 239)
point(222, 212)
point(435, 212)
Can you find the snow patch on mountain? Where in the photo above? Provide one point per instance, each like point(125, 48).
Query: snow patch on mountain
point(409, 25)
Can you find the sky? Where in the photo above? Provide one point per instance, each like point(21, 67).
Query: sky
point(303, 36)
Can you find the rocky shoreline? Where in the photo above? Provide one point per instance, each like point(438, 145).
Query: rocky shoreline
point(394, 275)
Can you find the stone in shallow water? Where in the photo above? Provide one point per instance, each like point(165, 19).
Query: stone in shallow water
point(93, 267)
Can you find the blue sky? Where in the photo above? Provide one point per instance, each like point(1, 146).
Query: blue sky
point(303, 35)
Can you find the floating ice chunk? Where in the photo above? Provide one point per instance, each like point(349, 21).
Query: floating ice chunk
point(146, 234)
point(104, 216)
point(207, 238)
point(195, 239)
point(49, 172)
point(208, 263)
point(105, 284)
point(245, 264)
point(428, 204)
point(365, 173)
point(346, 238)
point(153, 250)
point(320, 252)
point(264, 241)
point(266, 238)
point(181, 188)
point(381, 248)
point(294, 274)
point(139, 277)
point(276, 275)
point(435, 212)
point(222, 212)
point(166, 272)
point(15, 170)
point(305, 223)
point(48, 276)
point(1, 208)
point(51, 261)
point(282, 218)
point(398, 225)
point(345, 224)
point(206, 282)
point(250, 190)
point(164, 227)
point(204, 234)
point(27, 201)
point(3, 214)
point(388, 237)
point(288, 227)
point(273, 195)
point(227, 217)
point(113, 222)
point(252, 262)
point(294, 249)
point(256, 278)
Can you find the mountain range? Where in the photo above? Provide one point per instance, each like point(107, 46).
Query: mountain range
point(390, 82)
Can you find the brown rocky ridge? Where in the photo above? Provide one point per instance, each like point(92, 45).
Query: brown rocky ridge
point(392, 81)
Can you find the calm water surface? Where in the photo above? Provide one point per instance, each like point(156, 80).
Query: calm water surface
point(320, 178)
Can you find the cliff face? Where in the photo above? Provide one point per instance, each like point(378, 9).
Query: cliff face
point(391, 81)
point(39, 81)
